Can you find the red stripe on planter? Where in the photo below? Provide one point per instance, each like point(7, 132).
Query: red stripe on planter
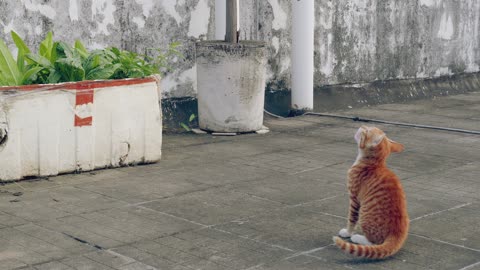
point(83, 97)
point(80, 85)
point(80, 122)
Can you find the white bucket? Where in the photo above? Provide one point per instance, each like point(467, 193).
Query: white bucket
point(231, 85)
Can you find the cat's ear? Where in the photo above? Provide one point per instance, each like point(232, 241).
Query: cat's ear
point(377, 138)
point(363, 139)
point(395, 146)
point(360, 137)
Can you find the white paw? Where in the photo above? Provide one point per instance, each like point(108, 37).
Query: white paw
point(360, 239)
point(344, 233)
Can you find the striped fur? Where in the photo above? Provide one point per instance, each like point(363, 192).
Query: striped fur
point(377, 199)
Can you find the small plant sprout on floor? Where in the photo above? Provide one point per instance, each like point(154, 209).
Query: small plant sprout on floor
point(188, 126)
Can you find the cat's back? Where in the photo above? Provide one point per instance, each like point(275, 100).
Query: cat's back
point(375, 180)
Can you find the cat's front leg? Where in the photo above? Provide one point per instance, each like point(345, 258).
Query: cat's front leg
point(352, 218)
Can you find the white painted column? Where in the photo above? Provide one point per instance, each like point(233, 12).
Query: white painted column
point(303, 18)
point(238, 15)
point(220, 19)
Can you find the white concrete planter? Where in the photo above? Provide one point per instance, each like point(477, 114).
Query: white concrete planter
point(71, 127)
point(231, 85)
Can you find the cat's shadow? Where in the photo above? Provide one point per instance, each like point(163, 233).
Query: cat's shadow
point(359, 261)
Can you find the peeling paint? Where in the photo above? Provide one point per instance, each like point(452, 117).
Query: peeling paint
point(472, 67)
point(96, 46)
point(429, 3)
point(38, 30)
point(171, 82)
point(140, 22)
point(443, 71)
point(45, 10)
point(170, 9)
point(276, 44)
point(280, 17)
point(147, 6)
point(329, 61)
point(199, 20)
point(73, 10)
point(446, 30)
point(103, 15)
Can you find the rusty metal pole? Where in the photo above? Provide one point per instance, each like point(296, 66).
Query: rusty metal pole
point(232, 22)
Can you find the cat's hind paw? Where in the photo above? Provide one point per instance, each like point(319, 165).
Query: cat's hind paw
point(344, 233)
point(360, 239)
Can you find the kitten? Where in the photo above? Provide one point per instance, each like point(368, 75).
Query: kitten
point(377, 200)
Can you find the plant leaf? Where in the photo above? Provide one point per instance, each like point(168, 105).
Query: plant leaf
point(46, 47)
point(71, 69)
point(21, 60)
point(29, 73)
point(19, 42)
point(185, 127)
point(22, 50)
point(39, 60)
point(192, 117)
point(102, 72)
point(94, 59)
point(64, 50)
point(81, 49)
point(8, 67)
point(54, 77)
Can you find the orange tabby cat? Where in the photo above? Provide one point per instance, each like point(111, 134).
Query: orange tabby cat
point(377, 200)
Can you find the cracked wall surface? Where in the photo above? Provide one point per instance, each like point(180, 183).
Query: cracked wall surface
point(355, 40)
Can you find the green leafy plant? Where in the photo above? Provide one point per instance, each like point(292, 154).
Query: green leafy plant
point(15, 72)
point(57, 61)
point(187, 126)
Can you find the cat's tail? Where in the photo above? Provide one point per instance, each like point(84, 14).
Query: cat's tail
point(389, 247)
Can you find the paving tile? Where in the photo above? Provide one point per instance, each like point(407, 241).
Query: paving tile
point(81, 232)
point(137, 266)
point(15, 255)
point(140, 221)
point(55, 265)
point(10, 263)
point(212, 206)
point(110, 258)
point(164, 252)
point(457, 226)
point(28, 208)
point(29, 243)
point(53, 237)
point(7, 220)
point(99, 229)
point(291, 190)
point(84, 263)
point(296, 228)
point(145, 257)
point(219, 248)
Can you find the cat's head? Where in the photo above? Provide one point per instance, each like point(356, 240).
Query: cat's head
point(373, 141)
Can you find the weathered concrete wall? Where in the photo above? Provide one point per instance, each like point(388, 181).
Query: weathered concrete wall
point(366, 40)
point(356, 40)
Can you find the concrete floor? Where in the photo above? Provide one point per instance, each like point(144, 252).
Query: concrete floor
point(269, 201)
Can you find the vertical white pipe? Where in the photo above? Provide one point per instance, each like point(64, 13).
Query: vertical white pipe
point(220, 19)
point(238, 15)
point(303, 18)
